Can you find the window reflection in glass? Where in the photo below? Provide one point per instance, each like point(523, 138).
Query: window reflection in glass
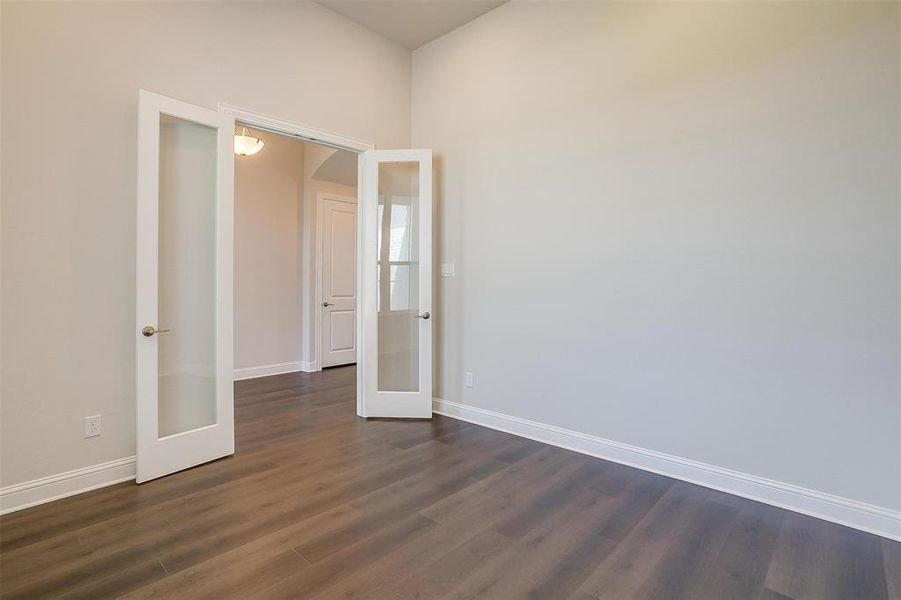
point(395, 241)
point(398, 277)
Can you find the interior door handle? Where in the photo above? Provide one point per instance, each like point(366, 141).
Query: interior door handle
point(328, 304)
point(150, 330)
point(424, 316)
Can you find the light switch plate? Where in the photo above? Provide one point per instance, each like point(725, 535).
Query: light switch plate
point(469, 378)
point(448, 269)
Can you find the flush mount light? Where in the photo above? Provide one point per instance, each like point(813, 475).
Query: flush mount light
point(246, 144)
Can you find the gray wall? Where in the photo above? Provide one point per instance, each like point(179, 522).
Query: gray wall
point(676, 225)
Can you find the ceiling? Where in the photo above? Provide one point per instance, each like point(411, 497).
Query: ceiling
point(340, 167)
point(411, 23)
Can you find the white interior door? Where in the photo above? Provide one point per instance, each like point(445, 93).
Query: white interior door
point(338, 308)
point(185, 410)
point(396, 284)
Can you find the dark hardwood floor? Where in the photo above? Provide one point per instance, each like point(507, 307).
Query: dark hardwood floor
point(318, 503)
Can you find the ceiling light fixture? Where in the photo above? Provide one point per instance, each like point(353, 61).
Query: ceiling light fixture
point(246, 144)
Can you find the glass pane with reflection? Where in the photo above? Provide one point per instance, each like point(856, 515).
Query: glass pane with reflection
point(398, 277)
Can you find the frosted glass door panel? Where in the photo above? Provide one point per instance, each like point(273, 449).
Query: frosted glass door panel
point(398, 277)
point(187, 276)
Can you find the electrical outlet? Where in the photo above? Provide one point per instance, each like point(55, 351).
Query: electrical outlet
point(468, 378)
point(93, 426)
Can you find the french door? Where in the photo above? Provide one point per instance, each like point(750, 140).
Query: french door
point(185, 410)
point(395, 373)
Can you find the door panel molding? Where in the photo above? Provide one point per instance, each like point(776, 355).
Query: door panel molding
point(319, 295)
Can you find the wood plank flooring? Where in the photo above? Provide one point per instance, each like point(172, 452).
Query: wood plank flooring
point(317, 503)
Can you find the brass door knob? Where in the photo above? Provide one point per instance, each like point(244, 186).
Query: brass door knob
point(150, 330)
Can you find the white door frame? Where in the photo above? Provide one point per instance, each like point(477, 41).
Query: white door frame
point(271, 124)
point(295, 129)
point(321, 197)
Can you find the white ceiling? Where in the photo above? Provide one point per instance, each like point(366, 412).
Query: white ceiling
point(411, 23)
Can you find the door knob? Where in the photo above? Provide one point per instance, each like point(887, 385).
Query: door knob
point(424, 316)
point(326, 304)
point(150, 330)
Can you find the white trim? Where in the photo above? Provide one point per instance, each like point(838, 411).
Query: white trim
point(859, 515)
point(266, 370)
point(309, 366)
point(55, 487)
point(361, 245)
point(311, 134)
point(321, 197)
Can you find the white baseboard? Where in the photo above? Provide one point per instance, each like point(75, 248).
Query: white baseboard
point(308, 366)
point(859, 515)
point(46, 489)
point(266, 370)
